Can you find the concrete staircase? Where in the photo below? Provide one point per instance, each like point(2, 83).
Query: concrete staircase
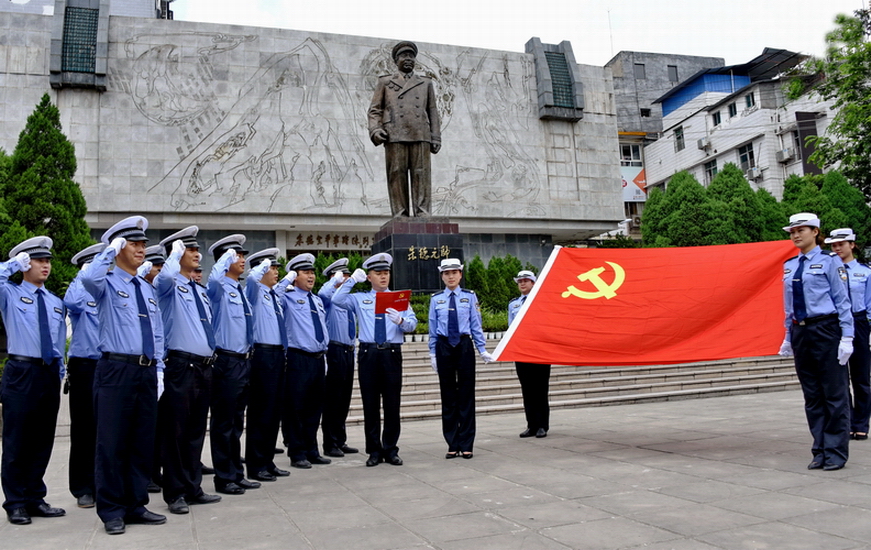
point(498, 391)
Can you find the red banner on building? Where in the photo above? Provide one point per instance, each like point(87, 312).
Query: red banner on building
point(652, 306)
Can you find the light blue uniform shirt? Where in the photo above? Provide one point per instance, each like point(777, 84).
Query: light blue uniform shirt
point(118, 312)
point(299, 323)
point(266, 323)
point(363, 306)
point(82, 308)
point(514, 307)
point(468, 317)
point(859, 278)
point(228, 310)
point(825, 289)
point(181, 318)
point(338, 324)
point(18, 304)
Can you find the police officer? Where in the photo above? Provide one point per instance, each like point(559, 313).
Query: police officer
point(190, 344)
point(380, 356)
point(454, 333)
point(342, 329)
point(30, 387)
point(267, 366)
point(307, 340)
point(819, 331)
point(128, 379)
point(83, 355)
point(843, 243)
point(234, 334)
point(534, 377)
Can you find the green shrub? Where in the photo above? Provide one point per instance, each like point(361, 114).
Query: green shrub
point(494, 321)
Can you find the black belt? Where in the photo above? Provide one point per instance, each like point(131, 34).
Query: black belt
point(462, 337)
point(191, 357)
point(270, 347)
point(31, 360)
point(233, 354)
point(817, 319)
point(313, 355)
point(83, 360)
point(347, 347)
point(859, 314)
point(385, 345)
point(140, 360)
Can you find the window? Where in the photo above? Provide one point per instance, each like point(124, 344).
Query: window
point(733, 110)
point(672, 73)
point(630, 155)
point(746, 159)
point(710, 171)
point(639, 71)
point(645, 113)
point(796, 138)
point(750, 99)
point(561, 80)
point(679, 143)
point(717, 118)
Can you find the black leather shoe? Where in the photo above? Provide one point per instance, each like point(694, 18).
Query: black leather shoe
point(860, 436)
point(208, 470)
point(815, 465)
point(541, 433)
point(85, 501)
point(527, 433)
point(153, 487)
point(829, 467)
point(374, 460)
point(19, 516)
point(302, 463)
point(394, 460)
point(147, 518)
point(45, 511)
point(230, 489)
point(278, 472)
point(245, 484)
point(115, 526)
point(334, 452)
point(263, 475)
point(204, 499)
point(319, 460)
point(348, 450)
point(179, 506)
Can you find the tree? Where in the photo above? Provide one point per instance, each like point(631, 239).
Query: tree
point(739, 219)
point(844, 76)
point(681, 216)
point(40, 193)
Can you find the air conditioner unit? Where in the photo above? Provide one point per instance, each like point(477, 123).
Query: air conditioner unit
point(704, 143)
point(753, 173)
point(636, 221)
point(785, 155)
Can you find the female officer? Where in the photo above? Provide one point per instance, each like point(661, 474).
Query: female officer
point(843, 243)
point(819, 328)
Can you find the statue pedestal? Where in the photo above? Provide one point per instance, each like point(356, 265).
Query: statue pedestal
point(417, 246)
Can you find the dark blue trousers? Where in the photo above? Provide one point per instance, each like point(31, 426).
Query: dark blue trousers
point(266, 390)
point(337, 395)
point(229, 397)
point(380, 374)
point(534, 384)
point(860, 375)
point(83, 425)
point(456, 366)
point(303, 403)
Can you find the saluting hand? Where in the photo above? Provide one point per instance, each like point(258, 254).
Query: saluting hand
point(178, 249)
point(23, 259)
point(117, 244)
point(358, 275)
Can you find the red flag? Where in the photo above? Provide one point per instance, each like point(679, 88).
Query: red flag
point(652, 306)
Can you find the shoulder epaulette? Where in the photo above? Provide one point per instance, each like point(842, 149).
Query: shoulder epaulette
point(467, 290)
point(794, 257)
point(829, 253)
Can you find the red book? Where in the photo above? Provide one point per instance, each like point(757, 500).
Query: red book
point(398, 300)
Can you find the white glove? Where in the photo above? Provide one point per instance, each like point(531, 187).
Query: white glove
point(845, 350)
point(487, 357)
point(785, 349)
point(261, 269)
point(338, 278)
point(358, 275)
point(394, 316)
point(199, 256)
point(435, 365)
point(178, 249)
point(159, 384)
point(117, 244)
point(228, 258)
point(23, 259)
point(144, 269)
point(290, 277)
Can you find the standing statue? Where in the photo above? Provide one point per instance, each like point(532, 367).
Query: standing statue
point(404, 117)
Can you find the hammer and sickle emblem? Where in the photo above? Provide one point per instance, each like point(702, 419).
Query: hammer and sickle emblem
point(603, 289)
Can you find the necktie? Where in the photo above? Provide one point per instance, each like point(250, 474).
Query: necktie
point(280, 316)
point(201, 311)
point(352, 327)
point(45, 345)
point(316, 319)
point(522, 300)
point(380, 329)
point(144, 322)
point(799, 309)
point(849, 294)
point(249, 321)
point(453, 322)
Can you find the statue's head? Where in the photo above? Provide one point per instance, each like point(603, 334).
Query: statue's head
point(404, 54)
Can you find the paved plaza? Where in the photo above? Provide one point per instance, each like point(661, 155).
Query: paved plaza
point(726, 473)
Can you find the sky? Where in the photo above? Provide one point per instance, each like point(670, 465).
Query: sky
point(736, 30)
